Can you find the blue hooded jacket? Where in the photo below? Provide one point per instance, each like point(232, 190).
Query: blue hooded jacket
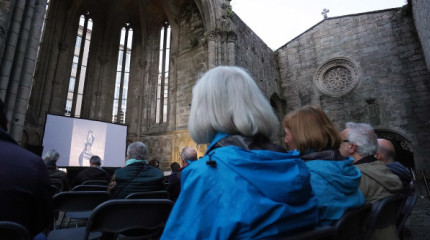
point(335, 184)
point(233, 193)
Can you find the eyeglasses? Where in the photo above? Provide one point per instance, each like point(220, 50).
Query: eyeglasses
point(345, 140)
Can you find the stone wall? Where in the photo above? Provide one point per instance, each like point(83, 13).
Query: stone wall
point(365, 68)
point(421, 10)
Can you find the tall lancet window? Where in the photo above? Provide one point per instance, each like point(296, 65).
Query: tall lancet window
point(79, 66)
point(163, 75)
point(122, 75)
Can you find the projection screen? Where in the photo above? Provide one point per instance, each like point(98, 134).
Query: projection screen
point(78, 139)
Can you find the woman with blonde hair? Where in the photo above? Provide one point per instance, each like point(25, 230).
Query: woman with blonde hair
point(334, 178)
point(244, 187)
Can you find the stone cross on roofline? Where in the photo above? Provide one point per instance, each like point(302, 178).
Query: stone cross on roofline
point(324, 12)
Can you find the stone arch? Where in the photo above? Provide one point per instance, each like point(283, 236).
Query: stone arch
point(403, 146)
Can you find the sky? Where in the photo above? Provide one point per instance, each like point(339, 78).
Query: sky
point(277, 22)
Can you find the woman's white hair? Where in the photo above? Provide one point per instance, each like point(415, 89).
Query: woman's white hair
point(226, 99)
point(51, 156)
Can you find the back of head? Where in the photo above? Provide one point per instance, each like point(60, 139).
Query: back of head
point(175, 167)
point(95, 160)
point(188, 154)
point(386, 151)
point(226, 99)
point(312, 129)
point(137, 150)
point(154, 163)
point(363, 136)
point(51, 157)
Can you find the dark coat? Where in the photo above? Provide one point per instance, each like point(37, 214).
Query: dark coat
point(25, 192)
point(136, 177)
point(91, 173)
point(174, 184)
point(57, 175)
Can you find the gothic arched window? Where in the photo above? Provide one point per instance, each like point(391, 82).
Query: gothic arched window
point(122, 75)
point(163, 75)
point(79, 66)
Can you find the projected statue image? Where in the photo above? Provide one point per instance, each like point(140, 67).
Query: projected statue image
point(86, 152)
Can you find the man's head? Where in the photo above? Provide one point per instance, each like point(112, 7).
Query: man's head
point(95, 161)
point(386, 151)
point(188, 154)
point(137, 150)
point(51, 157)
point(358, 141)
point(175, 166)
point(3, 118)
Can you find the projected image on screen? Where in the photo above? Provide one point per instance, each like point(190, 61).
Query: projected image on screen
point(77, 140)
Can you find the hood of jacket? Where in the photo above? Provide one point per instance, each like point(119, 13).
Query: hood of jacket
point(265, 170)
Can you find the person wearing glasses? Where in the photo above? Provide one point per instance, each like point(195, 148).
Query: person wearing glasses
point(334, 178)
point(359, 141)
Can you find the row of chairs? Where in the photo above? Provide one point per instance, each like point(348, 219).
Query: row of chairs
point(360, 223)
point(122, 217)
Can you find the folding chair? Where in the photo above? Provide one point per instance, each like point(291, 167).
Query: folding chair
point(95, 182)
point(352, 225)
point(77, 204)
point(13, 230)
point(149, 195)
point(90, 188)
point(405, 212)
point(384, 213)
point(126, 218)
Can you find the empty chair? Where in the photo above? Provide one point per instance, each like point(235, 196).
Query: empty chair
point(405, 212)
point(90, 188)
point(137, 218)
point(95, 182)
point(149, 195)
point(384, 215)
point(13, 230)
point(78, 204)
point(318, 233)
point(352, 225)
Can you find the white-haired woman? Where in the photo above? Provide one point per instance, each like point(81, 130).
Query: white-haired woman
point(244, 187)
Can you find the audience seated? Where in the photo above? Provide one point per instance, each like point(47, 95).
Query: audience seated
point(25, 191)
point(94, 172)
point(137, 175)
point(387, 154)
point(55, 174)
point(188, 155)
point(244, 187)
point(334, 178)
point(377, 181)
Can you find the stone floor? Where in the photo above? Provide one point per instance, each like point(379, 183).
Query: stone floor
point(418, 224)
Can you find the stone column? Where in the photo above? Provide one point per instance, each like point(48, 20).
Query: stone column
point(212, 49)
point(231, 48)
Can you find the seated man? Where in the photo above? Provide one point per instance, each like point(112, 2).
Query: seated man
point(387, 154)
point(94, 172)
point(188, 155)
point(25, 190)
point(137, 175)
point(51, 158)
point(377, 181)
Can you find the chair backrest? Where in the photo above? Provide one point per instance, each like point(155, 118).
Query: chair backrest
point(95, 182)
point(125, 215)
point(149, 195)
point(77, 201)
point(13, 230)
point(352, 225)
point(405, 212)
point(318, 233)
point(90, 188)
point(384, 213)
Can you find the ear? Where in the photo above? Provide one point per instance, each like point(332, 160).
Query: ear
point(353, 148)
point(378, 156)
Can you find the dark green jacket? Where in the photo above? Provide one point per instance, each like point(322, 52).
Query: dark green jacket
point(137, 177)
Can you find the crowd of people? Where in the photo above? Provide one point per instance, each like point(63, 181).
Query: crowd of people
point(245, 186)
